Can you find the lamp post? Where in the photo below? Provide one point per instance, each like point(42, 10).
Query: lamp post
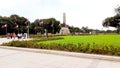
point(46, 33)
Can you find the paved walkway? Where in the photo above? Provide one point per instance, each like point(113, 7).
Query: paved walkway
point(13, 57)
point(4, 40)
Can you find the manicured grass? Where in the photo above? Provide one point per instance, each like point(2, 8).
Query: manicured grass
point(91, 39)
point(97, 44)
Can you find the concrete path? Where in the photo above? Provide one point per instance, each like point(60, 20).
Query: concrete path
point(4, 40)
point(13, 57)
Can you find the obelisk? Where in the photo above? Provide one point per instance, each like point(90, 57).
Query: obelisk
point(64, 18)
point(64, 29)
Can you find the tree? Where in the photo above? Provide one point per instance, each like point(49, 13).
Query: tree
point(14, 23)
point(16, 20)
point(77, 29)
point(113, 21)
point(51, 24)
point(85, 29)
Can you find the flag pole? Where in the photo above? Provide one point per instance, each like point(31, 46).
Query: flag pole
point(27, 22)
point(6, 28)
point(28, 31)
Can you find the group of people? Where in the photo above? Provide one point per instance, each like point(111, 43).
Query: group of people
point(13, 35)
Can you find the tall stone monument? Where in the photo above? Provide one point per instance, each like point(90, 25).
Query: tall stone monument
point(64, 29)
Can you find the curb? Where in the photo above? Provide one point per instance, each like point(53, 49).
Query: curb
point(63, 53)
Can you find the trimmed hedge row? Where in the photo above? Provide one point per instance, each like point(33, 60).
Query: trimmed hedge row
point(81, 47)
point(2, 36)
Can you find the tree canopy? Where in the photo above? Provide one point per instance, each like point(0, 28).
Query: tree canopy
point(113, 21)
point(12, 23)
point(20, 24)
point(17, 24)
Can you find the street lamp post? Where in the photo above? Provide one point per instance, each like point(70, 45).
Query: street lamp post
point(46, 33)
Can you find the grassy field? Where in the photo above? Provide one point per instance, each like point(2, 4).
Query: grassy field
point(97, 44)
point(91, 39)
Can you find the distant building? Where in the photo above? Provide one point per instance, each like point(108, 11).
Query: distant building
point(93, 32)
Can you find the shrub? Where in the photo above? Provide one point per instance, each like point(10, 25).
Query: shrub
point(80, 47)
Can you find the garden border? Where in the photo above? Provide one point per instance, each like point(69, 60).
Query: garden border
point(63, 53)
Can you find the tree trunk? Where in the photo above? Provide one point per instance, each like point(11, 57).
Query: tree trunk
point(118, 30)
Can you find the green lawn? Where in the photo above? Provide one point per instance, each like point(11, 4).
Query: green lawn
point(97, 39)
point(98, 44)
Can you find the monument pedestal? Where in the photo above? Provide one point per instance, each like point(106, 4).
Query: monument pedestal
point(64, 31)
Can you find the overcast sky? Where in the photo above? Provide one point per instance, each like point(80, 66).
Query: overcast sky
point(79, 13)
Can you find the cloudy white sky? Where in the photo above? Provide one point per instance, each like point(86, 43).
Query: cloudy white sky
point(79, 13)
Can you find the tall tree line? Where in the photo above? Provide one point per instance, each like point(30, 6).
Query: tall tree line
point(14, 23)
point(20, 24)
point(17, 24)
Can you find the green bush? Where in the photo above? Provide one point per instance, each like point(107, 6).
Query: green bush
point(2, 36)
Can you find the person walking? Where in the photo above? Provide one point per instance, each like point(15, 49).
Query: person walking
point(8, 35)
point(14, 35)
point(11, 35)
